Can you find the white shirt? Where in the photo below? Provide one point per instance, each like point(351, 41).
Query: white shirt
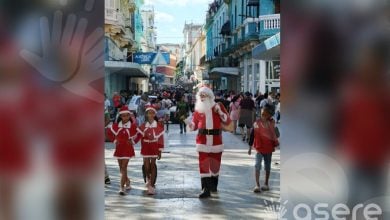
point(107, 104)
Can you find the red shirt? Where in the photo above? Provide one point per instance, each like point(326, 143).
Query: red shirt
point(265, 139)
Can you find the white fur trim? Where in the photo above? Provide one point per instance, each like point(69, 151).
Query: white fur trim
point(209, 125)
point(124, 157)
point(115, 133)
point(141, 132)
point(159, 135)
point(209, 149)
point(150, 141)
point(149, 156)
point(153, 125)
point(161, 149)
point(151, 108)
point(124, 112)
point(206, 90)
point(214, 174)
point(205, 175)
point(127, 125)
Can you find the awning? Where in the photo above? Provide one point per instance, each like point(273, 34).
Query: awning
point(268, 50)
point(125, 68)
point(225, 71)
point(225, 30)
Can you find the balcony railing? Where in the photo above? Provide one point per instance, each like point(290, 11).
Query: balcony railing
point(270, 21)
point(269, 24)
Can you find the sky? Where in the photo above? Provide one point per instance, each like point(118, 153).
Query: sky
point(171, 16)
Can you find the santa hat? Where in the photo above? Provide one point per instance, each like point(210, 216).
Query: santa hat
point(206, 90)
point(150, 107)
point(124, 110)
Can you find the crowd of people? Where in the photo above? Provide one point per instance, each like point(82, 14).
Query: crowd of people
point(256, 117)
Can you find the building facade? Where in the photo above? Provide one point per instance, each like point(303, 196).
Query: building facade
point(123, 31)
point(234, 29)
point(193, 53)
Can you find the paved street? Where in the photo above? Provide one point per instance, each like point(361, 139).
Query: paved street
point(178, 184)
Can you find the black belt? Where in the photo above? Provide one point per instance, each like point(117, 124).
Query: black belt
point(210, 131)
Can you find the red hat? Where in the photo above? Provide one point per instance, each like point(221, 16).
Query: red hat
point(206, 90)
point(124, 110)
point(150, 107)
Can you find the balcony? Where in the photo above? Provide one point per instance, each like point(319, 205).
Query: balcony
point(269, 25)
point(114, 17)
point(251, 29)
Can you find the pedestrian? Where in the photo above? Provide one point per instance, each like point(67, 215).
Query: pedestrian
point(122, 134)
point(234, 112)
point(116, 101)
point(182, 112)
point(246, 116)
point(277, 108)
point(151, 134)
point(208, 119)
point(166, 103)
point(107, 120)
point(141, 108)
point(264, 141)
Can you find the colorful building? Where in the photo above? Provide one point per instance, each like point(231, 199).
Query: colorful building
point(234, 29)
point(123, 33)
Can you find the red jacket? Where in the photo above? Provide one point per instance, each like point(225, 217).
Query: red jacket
point(265, 139)
point(150, 134)
point(210, 120)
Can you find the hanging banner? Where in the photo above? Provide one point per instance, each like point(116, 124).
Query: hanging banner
point(148, 57)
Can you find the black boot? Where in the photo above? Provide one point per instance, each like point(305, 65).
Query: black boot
point(214, 184)
point(205, 187)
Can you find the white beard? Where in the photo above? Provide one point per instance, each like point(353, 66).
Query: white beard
point(204, 106)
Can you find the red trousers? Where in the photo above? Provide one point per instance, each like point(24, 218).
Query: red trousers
point(209, 164)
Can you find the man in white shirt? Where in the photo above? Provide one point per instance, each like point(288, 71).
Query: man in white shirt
point(107, 102)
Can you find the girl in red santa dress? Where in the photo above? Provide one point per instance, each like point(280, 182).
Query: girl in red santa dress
point(123, 133)
point(151, 134)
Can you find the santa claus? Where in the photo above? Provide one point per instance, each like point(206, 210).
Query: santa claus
point(208, 119)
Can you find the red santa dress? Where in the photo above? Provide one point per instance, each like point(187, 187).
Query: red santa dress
point(123, 135)
point(152, 138)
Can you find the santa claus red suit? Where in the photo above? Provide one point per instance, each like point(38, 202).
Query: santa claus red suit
point(122, 134)
point(208, 119)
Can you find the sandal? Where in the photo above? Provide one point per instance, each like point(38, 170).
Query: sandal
point(107, 180)
point(256, 189)
point(265, 188)
point(122, 192)
point(127, 185)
